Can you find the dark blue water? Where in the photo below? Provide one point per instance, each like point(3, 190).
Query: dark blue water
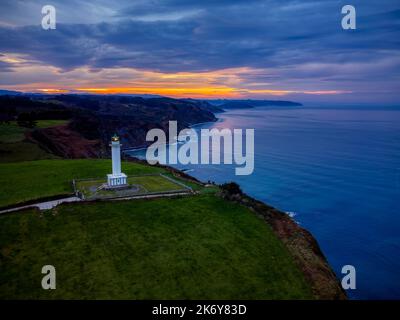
point(338, 172)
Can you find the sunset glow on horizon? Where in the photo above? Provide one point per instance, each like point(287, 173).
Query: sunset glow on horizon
point(200, 50)
point(239, 82)
point(198, 92)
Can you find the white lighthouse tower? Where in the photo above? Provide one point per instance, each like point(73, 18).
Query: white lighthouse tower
point(117, 178)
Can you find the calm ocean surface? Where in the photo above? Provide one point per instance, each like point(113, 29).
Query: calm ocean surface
point(337, 171)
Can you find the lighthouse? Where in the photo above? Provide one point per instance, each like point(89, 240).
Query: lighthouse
point(117, 178)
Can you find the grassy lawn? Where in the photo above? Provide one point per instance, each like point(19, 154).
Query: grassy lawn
point(155, 183)
point(195, 186)
point(11, 132)
point(14, 147)
point(23, 181)
point(92, 189)
point(50, 123)
point(22, 151)
point(197, 247)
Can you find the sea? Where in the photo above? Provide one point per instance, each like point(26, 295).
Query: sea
point(336, 171)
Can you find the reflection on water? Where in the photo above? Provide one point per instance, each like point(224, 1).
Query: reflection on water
point(338, 171)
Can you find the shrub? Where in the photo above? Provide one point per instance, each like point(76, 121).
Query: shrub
point(231, 188)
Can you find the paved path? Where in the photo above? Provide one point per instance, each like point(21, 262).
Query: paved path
point(43, 205)
point(51, 204)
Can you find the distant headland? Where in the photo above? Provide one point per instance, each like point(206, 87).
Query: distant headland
point(91, 119)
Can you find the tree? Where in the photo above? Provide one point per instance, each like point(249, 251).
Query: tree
point(231, 188)
point(26, 120)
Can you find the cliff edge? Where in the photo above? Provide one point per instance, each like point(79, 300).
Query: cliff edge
point(301, 244)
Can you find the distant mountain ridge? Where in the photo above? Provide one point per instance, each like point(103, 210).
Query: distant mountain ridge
point(249, 103)
point(10, 93)
point(95, 118)
point(213, 105)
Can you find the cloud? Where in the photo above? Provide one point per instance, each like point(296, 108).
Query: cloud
point(295, 44)
point(5, 67)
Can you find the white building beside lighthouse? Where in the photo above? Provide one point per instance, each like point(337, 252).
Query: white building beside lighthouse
point(117, 178)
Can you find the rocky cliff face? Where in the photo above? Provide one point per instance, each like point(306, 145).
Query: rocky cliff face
point(95, 119)
point(66, 143)
point(132, 118)
point(300, 243)
point(306, 252)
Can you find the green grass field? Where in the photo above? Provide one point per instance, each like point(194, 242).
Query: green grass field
point(154, 183)
point(196, 247)
point(14, 147)
point(50, 123)
point(192, 247)
point(92, 189)
point(22, 151)
point(11, 132)
point(23, 181)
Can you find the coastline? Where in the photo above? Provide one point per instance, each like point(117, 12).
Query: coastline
point(143, 147)
point(301, 244)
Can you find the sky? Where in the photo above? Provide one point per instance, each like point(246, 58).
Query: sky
point(260, 49)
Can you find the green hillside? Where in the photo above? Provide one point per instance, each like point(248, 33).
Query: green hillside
point(23, 181)
point(14, 147)
point(197, 247)
point(193, 247)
